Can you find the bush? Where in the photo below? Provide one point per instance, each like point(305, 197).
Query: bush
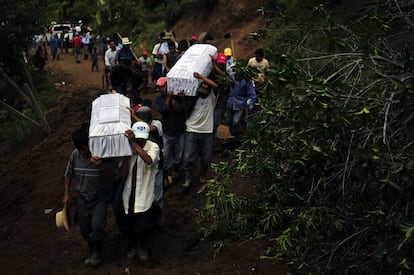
point(331, 144)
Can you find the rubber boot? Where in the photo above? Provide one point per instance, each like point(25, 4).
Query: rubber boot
point(142, 252)
point(96, 259)
point(91, 246)
point(132, 252)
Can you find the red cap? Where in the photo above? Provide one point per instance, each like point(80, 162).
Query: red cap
point(137, 107)
point(161, 81)
point(221, 58)
point(144, 53)
point(194, 38)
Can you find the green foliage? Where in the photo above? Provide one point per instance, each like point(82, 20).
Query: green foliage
point(224, 206)
point(331, 144)
point(22, 20)
point(15, 133)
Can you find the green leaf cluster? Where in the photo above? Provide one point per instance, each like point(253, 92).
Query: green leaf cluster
point(330, 145)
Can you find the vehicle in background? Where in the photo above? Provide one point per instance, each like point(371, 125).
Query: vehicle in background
point(59, 29)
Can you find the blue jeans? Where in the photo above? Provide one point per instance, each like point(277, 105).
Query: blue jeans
point(233, 119)
point(173, 150)
point(197, 145)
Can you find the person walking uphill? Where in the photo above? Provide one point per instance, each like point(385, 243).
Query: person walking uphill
point(77, 47)
point(55, 44)
point(241, 94)
point(138, 195)
point(94, 178)
point(173, 111)
point(199, 131)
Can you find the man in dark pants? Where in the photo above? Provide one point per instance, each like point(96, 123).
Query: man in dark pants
point(120, 76)
point(94, 178)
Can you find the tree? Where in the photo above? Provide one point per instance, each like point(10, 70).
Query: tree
point(18, 25)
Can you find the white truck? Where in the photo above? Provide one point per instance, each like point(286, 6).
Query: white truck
point(58, 29)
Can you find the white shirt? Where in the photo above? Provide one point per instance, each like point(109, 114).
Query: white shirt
point(110, 57)
point(201, 119)
point(145, 179)
point(157, 51)
point(145, 63)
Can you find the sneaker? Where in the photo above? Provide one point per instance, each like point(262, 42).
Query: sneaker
point(142, 253)
point(187, 183)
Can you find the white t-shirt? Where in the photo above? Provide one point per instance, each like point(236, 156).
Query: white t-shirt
point(145, 63)
point(110, 57)
point(157, 50)
point(201, 119)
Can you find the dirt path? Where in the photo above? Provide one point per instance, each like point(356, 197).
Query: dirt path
point(31, 182)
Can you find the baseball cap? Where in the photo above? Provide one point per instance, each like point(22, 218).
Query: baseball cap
point(141, 130)
point(144, 53)
point(161, 81)
point(221, 58)
point(136, 107)
point(194, 38)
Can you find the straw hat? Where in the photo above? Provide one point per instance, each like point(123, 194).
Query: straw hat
point(62, 218)
point(125, 41)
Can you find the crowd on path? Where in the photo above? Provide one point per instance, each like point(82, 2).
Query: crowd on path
point(181, 141)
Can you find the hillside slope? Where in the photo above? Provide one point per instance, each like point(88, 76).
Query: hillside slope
point(31, 184)
point(238, 18)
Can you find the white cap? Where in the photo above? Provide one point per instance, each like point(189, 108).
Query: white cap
point(141, 130)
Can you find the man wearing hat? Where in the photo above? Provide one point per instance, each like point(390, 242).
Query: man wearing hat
point(77, 47)
point(219, 66)
point(193, 40)
point(230, 60)
point(158, 54)
point(138, 196)
point(146, 65)
point(173, 111)
point(125, 53)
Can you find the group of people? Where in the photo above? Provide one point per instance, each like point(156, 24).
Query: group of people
point(182, 140)
point(83, 44)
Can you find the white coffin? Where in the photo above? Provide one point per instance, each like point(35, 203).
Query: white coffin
point(195, 59)
point(110, 118)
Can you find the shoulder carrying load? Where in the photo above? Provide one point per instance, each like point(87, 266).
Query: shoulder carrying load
point(195, 59)
point(110, 119)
